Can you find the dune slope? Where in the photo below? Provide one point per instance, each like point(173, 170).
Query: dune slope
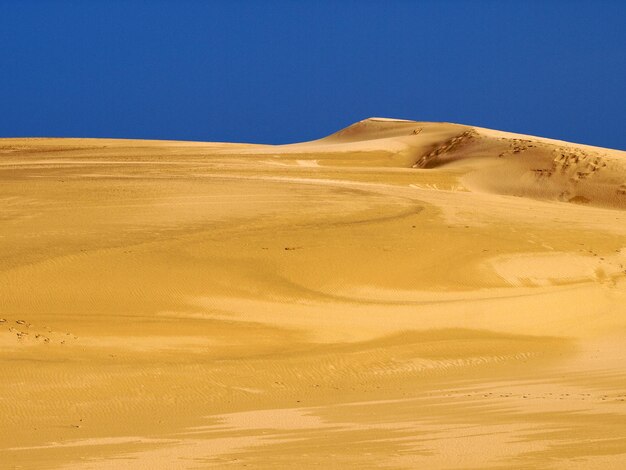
point(399, 294)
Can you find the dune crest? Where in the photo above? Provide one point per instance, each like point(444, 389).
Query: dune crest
point(498, 162)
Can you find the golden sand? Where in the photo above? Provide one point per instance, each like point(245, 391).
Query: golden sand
point(397, 295)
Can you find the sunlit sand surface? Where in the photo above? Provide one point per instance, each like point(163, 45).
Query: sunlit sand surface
point(397, 295)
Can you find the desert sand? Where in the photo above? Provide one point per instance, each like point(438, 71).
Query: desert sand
point(397, 295)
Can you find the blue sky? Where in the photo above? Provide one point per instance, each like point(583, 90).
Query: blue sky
point(285, 71)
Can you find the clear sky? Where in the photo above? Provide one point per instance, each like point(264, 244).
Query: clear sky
point(285, 71)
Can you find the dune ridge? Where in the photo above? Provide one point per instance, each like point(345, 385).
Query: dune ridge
point(527, 166)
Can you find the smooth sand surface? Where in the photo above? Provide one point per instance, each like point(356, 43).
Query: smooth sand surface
point(397, 295)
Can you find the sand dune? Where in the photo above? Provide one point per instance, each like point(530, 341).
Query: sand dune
point(398, 294)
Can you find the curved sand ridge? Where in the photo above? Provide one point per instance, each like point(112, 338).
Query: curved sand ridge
point(399, 294)
point(502, 162)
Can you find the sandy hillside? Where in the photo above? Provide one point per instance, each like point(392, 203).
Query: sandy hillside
point(397, 295)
